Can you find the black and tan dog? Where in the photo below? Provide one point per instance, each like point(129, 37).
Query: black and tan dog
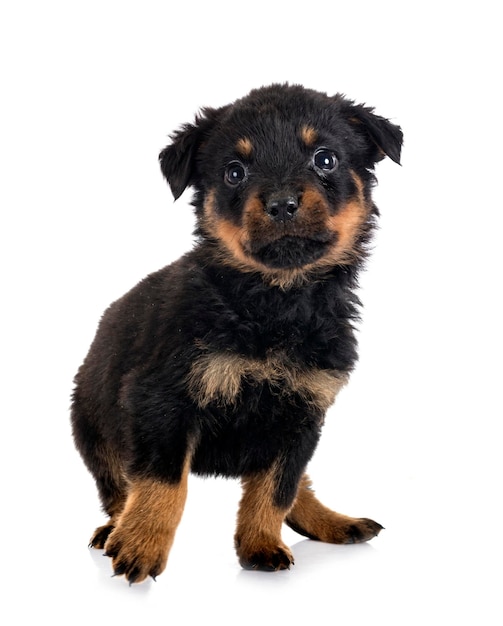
point(226, 361)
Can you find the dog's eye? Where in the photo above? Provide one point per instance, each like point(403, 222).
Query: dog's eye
point(325, 160)
point(235, 173)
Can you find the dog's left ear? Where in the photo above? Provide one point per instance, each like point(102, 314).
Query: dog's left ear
point(178, 160)
point(384, 137)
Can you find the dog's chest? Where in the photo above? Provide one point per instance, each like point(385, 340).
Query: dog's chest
point(219, 378)
point(285, 342)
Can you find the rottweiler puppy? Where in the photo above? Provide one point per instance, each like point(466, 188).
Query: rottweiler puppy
point(226, 361)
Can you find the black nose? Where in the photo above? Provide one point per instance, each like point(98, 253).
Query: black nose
point(282, 209)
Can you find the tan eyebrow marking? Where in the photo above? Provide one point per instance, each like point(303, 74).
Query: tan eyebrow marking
point(244, 146)
point(308, 135)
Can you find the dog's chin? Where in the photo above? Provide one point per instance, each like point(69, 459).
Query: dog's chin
point(291, 252)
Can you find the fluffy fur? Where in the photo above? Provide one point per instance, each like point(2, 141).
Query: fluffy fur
point(225, 362)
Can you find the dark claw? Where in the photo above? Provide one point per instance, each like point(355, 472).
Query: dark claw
point(364, 531)
point(120, 569)
point(100, 537)
point(110, 553)
point(132, 576)
point(265, 563)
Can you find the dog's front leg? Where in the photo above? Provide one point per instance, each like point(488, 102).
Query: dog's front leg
point(258, 534)
point(140, 543)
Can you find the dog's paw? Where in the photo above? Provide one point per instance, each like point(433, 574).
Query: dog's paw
point(100, 536)
point(362, 529)
point(136, 557)
point(332, 527)
point(266, 558)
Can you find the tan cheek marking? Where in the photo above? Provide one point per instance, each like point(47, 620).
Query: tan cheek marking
point(231, 235)
point(349, 223)
point(314, 204)
point(256, 221)
point(312, 197)
point(254, 209)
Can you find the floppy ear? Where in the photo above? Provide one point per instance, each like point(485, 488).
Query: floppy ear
point(178, 159)
point(383, 135)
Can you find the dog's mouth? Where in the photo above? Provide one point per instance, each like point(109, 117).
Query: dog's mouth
point(291, 251)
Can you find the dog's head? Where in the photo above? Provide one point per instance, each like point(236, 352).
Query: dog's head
point(283, 178)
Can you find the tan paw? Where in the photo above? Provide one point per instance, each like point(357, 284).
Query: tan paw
point(266, 556)
point(136, 557)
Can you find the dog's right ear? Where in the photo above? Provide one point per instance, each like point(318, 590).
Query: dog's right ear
point(178, 159)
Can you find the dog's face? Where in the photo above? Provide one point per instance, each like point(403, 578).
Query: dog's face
point(283, 177)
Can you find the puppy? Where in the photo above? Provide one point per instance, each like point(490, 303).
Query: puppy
point(225, 362)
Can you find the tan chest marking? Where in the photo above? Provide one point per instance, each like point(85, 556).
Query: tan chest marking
point(218, 377)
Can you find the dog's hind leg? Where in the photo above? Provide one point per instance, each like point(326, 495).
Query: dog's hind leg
point(312, 519)
point(113, 488)
point(101, 456)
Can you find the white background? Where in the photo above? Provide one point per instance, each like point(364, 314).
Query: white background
point(90, 93)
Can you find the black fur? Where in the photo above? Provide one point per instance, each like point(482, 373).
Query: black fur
point(132, 399)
